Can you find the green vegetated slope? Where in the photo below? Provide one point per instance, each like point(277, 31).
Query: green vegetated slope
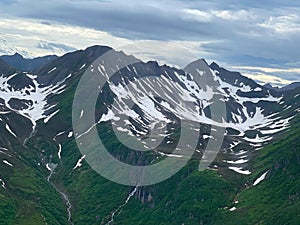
point(276, 199)
point(193, 197)
point(28, 198)
point(189, 197)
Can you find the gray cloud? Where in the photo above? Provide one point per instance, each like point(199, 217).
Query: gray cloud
point(239, 32)
point(54, 46)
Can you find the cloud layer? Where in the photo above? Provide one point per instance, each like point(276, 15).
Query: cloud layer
point(238, 33)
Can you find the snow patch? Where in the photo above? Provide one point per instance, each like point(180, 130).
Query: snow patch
point(2, 183)
point(59, 151)
point(79, 162)
point(240, 170)
point(257, 89)
point(258, 139)
point(240, 161)
point(50, 71)
point(260, 179)
point(232, 209)
point(108, 116)
point(8, 163)
point(82, 66)
point(46, 120)
point(9, 130)
point(70, 134)
point(35, 93)
point(81, 114)
point(48, 167)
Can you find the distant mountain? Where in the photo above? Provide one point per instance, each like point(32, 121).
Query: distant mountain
point(19, 62)
point(291, 86)
point(236, 77)
point(288, 87)
point(270, 87)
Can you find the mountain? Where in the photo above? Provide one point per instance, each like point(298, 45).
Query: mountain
point(270, 87)
point(291, 86)
point(4, 67)
point(17, 61)
point(288, 87)
point(48, 118)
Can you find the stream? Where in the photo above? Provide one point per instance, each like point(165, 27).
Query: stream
point(30, 136)
point(51, 167)
point(119, 209)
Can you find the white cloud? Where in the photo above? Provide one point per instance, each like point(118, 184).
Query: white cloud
point(283, 24)
point(28, 34)
point(40, 39)
point(275, 76)
point(196, 15)
point(210, 15)
point(233, 15)
point(269, 70)
point(264, 78)
point(173, 53)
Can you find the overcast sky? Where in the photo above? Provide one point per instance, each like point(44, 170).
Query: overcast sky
point(258, 38)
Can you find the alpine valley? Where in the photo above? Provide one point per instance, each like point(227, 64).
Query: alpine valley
point(254, 177)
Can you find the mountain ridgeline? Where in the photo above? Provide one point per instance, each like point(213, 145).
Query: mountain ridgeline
point(252, 178)
point(29, 65)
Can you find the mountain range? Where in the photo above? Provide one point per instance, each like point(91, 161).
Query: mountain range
point(252, 178)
